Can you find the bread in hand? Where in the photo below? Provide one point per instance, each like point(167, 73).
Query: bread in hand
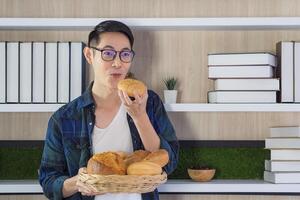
point(131, 86)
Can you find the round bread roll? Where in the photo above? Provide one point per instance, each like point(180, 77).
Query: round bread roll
point(106, 163)
point(144, 168)
point(160, 157)
point(136, 156)
point(130, 86)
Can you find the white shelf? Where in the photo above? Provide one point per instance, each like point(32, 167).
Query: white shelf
point(180, 107)
point(29, 107)
point(220, 23)
point(20, 186)
point(177, 186)
point(227, 186)
point(205, 107)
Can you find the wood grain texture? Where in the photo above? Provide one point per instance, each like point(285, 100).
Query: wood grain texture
point(164, 53)
point(23, 126)
point(230, 126)
point(175, 197)
point(227, 197)
point(148, 8)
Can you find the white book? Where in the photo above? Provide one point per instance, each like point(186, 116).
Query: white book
point(242, 97)
point(63, 72)
point(285, 154)
point(25, 72)
point(297, 72)
point(287, 131)
point(76, 69)
point(51, 73)
point(246, 84)
point(285, 71)
point(282, 143)
point(259, 58)
point(13, 78)
point(282, 177)
point(38, 67)
point(282, 166)
point(2, 72)
point(241, 72)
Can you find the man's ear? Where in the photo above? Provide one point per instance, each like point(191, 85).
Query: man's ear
point(88, 54)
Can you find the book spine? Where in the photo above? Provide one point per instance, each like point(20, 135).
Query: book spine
point(13, 72)
point(297, 72)
point(25, 72)
point(63, 72)
point(51, 73)
point(285, 71)
point(76, 69)
point(38, 65)
point(2, 72)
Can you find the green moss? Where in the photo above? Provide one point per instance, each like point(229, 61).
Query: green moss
point(231, 163)
point(19, 163)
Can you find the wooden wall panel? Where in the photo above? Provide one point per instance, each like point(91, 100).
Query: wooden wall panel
point(162, 53)
point(227, 197)
point(230, 126)
point(182, 54)
point(23, 126)
point(148, 8)
point(175, 197)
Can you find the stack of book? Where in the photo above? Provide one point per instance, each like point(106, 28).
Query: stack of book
point(41, 72)
point(289, 71)
point(243, 78)
point(284, 163)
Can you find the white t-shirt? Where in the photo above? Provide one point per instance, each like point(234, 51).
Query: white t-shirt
point(115, 137)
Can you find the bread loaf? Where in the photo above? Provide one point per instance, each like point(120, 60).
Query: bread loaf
point(144, 168)
point(136, 156)
point(122, 154)
point(106, 163)
point(139, 162)
point(160, 157)
point(131, 86)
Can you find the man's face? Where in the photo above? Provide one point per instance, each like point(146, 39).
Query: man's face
point(109, 73)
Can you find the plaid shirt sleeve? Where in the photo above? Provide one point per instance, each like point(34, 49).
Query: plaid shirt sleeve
point(166, 133)
point(52, 172)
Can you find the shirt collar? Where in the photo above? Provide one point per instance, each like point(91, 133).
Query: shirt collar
point(87, 97)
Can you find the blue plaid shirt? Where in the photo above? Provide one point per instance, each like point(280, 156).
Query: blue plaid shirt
point(68, 144)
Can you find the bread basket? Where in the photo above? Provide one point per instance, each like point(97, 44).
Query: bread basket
point(123, 183)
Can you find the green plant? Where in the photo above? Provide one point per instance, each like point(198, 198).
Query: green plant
point(170, 83)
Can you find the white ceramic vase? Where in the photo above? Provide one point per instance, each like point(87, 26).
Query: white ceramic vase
point(170, 96)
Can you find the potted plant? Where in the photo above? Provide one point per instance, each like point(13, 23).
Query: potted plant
point(170, 94)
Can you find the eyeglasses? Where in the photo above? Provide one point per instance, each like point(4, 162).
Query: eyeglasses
point(125, 56)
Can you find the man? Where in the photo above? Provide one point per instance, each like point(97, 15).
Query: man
point(104, 119)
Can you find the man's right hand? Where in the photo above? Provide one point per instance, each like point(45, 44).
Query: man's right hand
point(86, 190)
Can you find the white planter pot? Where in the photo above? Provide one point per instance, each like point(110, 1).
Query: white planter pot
point(170, 96)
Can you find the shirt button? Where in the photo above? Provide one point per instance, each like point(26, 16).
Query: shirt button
point(90, 123)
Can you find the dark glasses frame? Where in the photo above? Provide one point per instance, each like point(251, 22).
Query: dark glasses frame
point(116, 52)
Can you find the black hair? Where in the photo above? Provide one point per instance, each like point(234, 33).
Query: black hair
point(109, 26)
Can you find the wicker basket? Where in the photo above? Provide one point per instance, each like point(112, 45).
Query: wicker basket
point(123, 183)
